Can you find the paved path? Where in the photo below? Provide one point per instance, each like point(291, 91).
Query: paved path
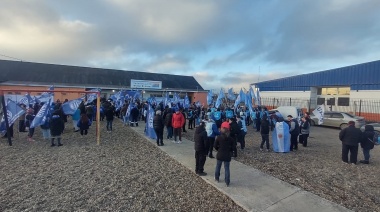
point(250, 188)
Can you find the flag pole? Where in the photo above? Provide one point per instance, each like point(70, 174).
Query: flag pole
point(6, 119)
point(98, 118)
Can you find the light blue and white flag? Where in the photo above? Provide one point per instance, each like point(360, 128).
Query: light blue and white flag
point(198, 104)
point(71, 106)
point(13, 112)
point(242, 95)
point(252, 93)
point(319, 112)
point(186, 102)
point(237, 101)
point(149, 130)
point(92, 96)
point(231, 95)
point(41, 116)
point(209, 97)
point(281, 137)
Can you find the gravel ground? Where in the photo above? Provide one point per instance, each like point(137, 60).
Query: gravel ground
point(125, 173)
point(318, 168)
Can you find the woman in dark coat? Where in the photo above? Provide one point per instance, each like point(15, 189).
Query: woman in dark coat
point(224, 145)
point(57, 126)
point(201, 147)
point(158, 126)
point(84, 124)
point(367, 142)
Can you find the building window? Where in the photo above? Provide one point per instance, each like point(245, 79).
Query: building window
point(343, 101)
point(320, 101)
point(331, 101)
point(334, 91)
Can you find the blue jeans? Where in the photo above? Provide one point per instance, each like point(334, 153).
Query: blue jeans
point(226, 171)
point(126, 119)
point(109, 125)
point(366, 154)
point(170, 132)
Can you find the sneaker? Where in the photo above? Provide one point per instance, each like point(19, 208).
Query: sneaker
point(60, 144)
point(202, 173)
point(52, 145)
point(364, 161)
point(178, 142)
point(216, 179)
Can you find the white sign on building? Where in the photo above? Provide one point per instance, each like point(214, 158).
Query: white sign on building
point(146, 84)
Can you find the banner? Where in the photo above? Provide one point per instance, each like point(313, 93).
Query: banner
point(13, 112)
point(70, 107)
point(231, 95)
point(209, 97)
point(281, 137)
point(41, 115)
point(149, 130)
point(319, 112)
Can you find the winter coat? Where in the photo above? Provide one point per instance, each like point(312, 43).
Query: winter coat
point(135, 112)
point(84, 125)
point(294, 127)
point(178, 120)
point(234, 129)
point(109, 113)
point(264, 127)
point(367, 137)
point(158, 122)
point(223, 144)
point(56, 125)
point(200, 139)
point(212, 129)
point(350, 136)
point(305, 127)
point(168, 119)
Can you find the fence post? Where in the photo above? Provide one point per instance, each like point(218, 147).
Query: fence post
point(274, 100)
point(290, 101)
point(360, 107)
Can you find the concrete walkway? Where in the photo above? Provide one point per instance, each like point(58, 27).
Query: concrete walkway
point(250, 188)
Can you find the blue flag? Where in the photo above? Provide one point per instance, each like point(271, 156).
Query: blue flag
point(13, 112)
point(176, 98)
point(70, 107)
point(242, 95)
point(237, 101)
point(198, 104)
point(41, 115)
point(231, 95)
point(209, 97)
point(258, 97)
point(149, 130)
point(186, 102)
point(252, 93)
point(92, 96)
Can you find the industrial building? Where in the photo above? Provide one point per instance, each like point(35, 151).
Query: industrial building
point(18, 75)
point(354, 89)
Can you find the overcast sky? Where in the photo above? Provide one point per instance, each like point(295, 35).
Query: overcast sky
point(222, 43)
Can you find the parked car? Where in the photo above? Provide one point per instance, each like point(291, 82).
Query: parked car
point(376, 126)
point(296, 112)
point(338, 119)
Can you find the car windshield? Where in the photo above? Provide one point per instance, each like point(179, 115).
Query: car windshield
point(349, 115)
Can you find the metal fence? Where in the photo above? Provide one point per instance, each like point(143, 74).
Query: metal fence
point(368, 108)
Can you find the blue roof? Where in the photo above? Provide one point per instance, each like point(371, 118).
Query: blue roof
point(365, 76)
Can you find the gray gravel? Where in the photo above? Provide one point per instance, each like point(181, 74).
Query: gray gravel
point(125, 173)
point(319, 169)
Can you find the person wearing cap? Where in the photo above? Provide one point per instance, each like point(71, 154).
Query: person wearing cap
point(201, 147)
point(294, 132)
point(212, 131)
point(224, 145)
point(178, 120)
point(350, 137)
point(158, 126)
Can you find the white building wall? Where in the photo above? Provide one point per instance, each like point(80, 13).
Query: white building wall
point(365, 94)
point(285, 94)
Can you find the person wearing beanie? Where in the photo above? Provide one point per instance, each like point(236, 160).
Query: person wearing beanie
point(234, 134)
point(350, 137)
point(57, 125)
point(158, 126)
point(224, 145)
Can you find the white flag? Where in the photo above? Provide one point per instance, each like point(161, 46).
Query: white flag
point(319, 112)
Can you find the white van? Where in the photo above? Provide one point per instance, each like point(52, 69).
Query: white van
point(296, 112)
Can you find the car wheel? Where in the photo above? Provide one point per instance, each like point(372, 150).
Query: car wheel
point(312, 123)
point(342, 126)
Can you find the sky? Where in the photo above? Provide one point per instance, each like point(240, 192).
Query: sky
point(222, 43)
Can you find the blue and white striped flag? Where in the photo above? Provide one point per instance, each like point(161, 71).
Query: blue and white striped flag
point(13, 111)
point(281, 137)
point(186, 102)
point(70, 107)
point(41, 115)
point(258, 98)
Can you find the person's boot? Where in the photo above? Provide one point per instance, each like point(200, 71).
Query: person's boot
point(364, 161)
point(137, 124)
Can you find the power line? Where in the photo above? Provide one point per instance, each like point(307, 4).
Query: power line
point(11, 57)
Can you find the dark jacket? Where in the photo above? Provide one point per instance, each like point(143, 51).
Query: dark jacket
point(158, 122)
point(234, 129)
point(168, 119)
point(109, 113)
point(223, 144)
point(350, 136)
point(56, 125)
point(264, 127)
point(135, 112)
point(200, 139)
point(367, 138)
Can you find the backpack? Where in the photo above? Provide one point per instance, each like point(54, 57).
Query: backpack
point(376, 138)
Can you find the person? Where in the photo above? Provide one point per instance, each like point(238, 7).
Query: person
point(21, 120)
point(168, 123)
point(212, 131)
point(75, 117)
point(158, 126)
point(45, 128)
point(258, 120)
point(264, 131)
point(178, 121)
point(201, 147)
point(224, 145)
point(350, 137)
point(294, 132)
point(57, 125)
point(280, 134)
point(367, 142)
point(123, 113)
point(184, 124)
point(134, 115)
point(190, 116)
point(234, 134)
point(305, 130)
point(29, 117)
point(84, 124)
point(109, 113)
point(243, 130)
point(90, 112)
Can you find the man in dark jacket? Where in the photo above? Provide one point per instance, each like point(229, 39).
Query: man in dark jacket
point(201, 147)
point(56, 127)
point(367, 142)
point(168, 122)
point(109, 113)
point(264, 130)
point(234, 133)
point(350, 138)
point(224, 145)
point(158, 126)
point(134, 114)
point(294, 131)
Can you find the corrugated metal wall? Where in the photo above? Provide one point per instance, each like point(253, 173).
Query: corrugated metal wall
point(364, 76)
